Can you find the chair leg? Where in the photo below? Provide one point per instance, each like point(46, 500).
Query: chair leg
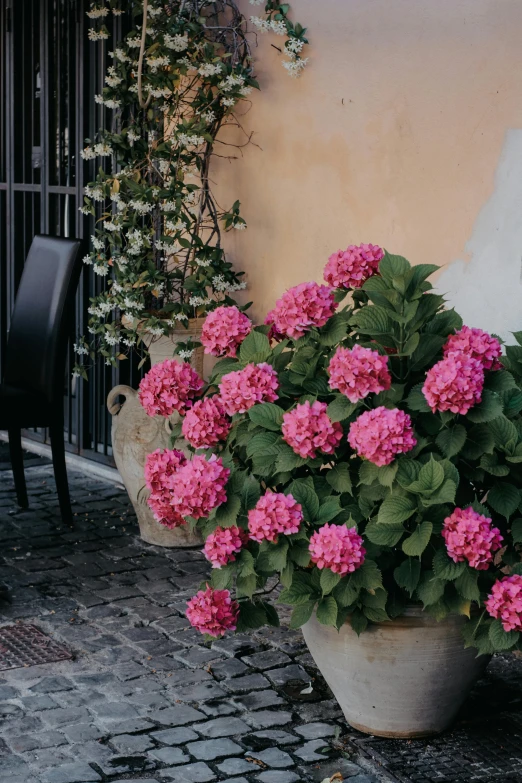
point(60, 471)
point(17, 463)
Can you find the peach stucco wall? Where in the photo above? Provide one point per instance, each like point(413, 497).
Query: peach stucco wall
point(405, 130)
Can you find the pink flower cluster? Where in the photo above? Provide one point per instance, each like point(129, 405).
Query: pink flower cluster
point(224, 330)
point(160, 468)
point(169, 386)
point(470, 536)
point(213, 612)
point(504, 603)
point(454, 384)
point(307, 429)
point(198, 487)
point(338, 548)
point(302, 307)
point(223, 544)
point(380, 434)
point(274, 513)
point(241, 389)
point(357, 372)
point(350, 268)
point(206, 423)
point(477, 344)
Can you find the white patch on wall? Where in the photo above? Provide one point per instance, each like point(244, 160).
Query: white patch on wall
point(487, 290)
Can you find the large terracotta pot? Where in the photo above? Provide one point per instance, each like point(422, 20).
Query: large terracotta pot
point(403, 678)
point(134, 435)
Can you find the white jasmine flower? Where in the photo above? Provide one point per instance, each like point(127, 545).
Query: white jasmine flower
point(108, 363)
point(97, 35)
point(185, 61)
point(256, 2)
point(185, 355)
point(97, 12)
point(112, 78)
point(219, 283)
point(169, 206)
point(228, 101)
point(155, 331)
point(158, 92)
point(88, 153)
point(154, 11)
point(117, 12)
point(294, 45)
point(295, 67)
point(141, 207)
point(132, 136)
point(279, 28)
point(109, 225)
point(190, 140)
point(95, 193)
point(244, 91)
point(122, 262)
point(209, 69)
point(103, 150)
point(98, 244)
point(203, 262)
point(134, 43)
point(208, 116)
point(131, 304)
point(176, 42)
point(155, 63)
point(112, 339)
point(85, 210)
point(129, 342)
point(101, 270)
point(195, 301)
point(230, 82)
point(263, 25)
point(76, 374)
point(120, 55)
point(239, 226)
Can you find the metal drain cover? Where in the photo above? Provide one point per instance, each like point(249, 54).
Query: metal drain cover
point(27, 645)
point(485, 753)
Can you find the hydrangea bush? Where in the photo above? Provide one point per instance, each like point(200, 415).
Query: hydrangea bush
point(366, 452)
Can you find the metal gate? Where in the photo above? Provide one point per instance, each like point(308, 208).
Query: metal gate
point(49, 74)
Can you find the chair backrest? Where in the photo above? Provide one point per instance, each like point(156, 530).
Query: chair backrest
point(42, 317)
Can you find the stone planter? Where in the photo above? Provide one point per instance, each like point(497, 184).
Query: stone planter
point(404, 678)
point(134, 435)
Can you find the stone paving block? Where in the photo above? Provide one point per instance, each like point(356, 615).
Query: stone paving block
point(268, 659)
point(318, 772)
point(265, 739)
point(236, 646)
point(259, 700)
point(82, 732)
point(287, 673)
point(237, 766)
point(38, 703)
point(44, 739)
point(316, 730)
point(180, 715)
point(223, 727)
point(66, 716)
point(311, 751)
point(202, 691)
point(273, 757)
point(131, 743)
point(197, 656)
point(7, 692)
point(190, 773)
point(126, 726)
point(266, 718)
point(114, 710)
point(169, 755)
point(273, 776)
point(175, 736)
point(247, 684)
point(51, 685)
point(231, 667)
point(208, 750)
point(71, 773)
point(216, 708)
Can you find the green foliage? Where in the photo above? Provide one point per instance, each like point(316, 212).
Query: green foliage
point(399, 509)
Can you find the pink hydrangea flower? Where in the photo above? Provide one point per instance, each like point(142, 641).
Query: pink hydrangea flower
point(198, 486)
point(338, 548)
point(160, 467)
point(307, 429)
point(213, 612)
point(223, 545)
point(380, 434)
point(206, 423)
point(302, 307)
point(357, 372)
point(274, 513)
point(241, 389)
point(273, 334)
point(504, 603)
point(350, 268)
point(477, 344)
point(470, 536)
point(454, 384)
point(169, 386)
point(224, 330)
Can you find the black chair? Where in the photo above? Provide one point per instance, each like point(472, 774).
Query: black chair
point(31, 394)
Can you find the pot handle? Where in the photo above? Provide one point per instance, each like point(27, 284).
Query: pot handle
point(113, 406)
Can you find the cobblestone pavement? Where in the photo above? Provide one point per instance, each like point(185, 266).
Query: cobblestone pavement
point(143, 699)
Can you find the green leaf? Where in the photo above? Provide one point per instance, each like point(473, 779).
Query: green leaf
point(306, 495)
point(372, 320)
point(376, 615)
point(503, 498)
point(301, 614)
point(395, 510)
point(451, 441)
point(407, 574)
point(386, 474)
point(226, 514)
point(430, 478)
point(466, 585)
point(429, 347)
point(300, 554)
point(339, 478)
point(340, 408)
point(358, 622)
point(368, 576)
point(501, 639)
point(250, 493)
point(383, 535)
point(251, 616)
point(245, 563)
point(299, 592)
point(254, 348)
point(245, 586)
point(446, 494)
point(345, 593)
point(392, 266)
point(328, 580)
point(328, 510)
point(222, 578)
point(430, 589)
point(512, 401)
point(445, 568)
point(333, 332)
point(222, 367)
point(480, 441)
point(261, 443)
point(516, 531)
point(287, 459)
point(490, 408)
point(410, 345)
point(500, 380)
point(267, 415)
point(415, 545)
point(416, 401)
point(505, 434)
point(368, 473)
